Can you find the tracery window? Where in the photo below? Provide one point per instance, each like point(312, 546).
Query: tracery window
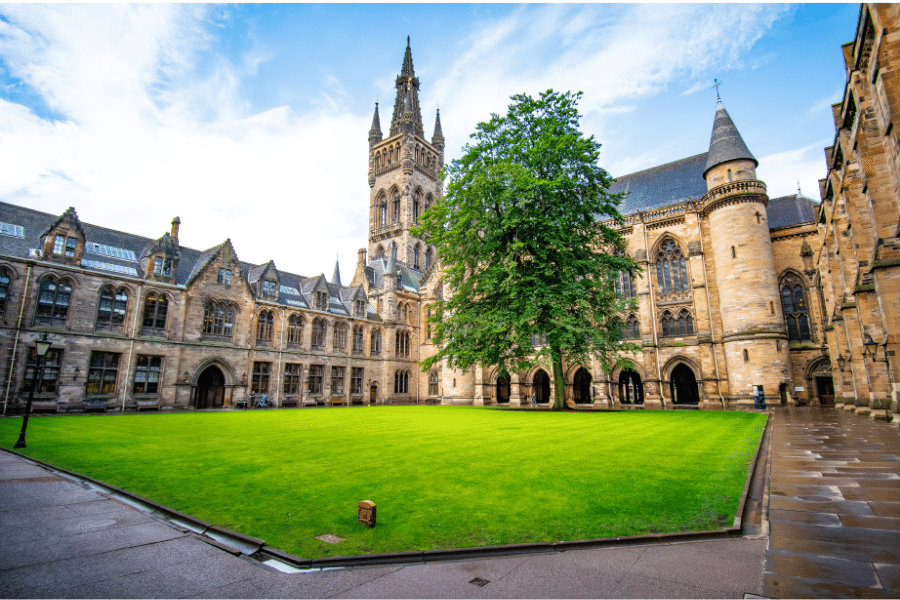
point(416, 253)
point(218, 320)
point(625, 285)
point(111, 311)
point(396, 208)
point(156, 307)
point(631, 330)
point(538, 339)
point(671, 270)
point(295, 330)
point(375, 347)
point(382, 213)
point(358, 340)
point(319, 330)
point(416, 207)
point(264, 326)
point(340, 337)
point(677, 324)
point(401, 343)
point(53, 302)
point(401, 382)
point(796, 311)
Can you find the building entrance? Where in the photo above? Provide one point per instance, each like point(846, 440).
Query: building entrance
point(540, 386)
point(631, 390)
point(503, 387)
point(581, 387)
point(684, 386)
point(210, 389)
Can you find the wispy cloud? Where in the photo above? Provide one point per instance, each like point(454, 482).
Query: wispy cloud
point(785, 170)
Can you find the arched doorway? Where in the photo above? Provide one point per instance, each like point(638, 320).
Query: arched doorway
point(210, 388)
point(540, 386)
point(783, 393)
point(373, 393)
point(684, 386)
point(631, 390)
point(820, 374)
point(503, 388)
point(581, 387)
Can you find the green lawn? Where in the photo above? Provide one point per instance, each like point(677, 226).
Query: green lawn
point(442, 477)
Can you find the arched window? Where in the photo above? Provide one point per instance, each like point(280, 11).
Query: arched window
point(538, 339)
point(396, 211)
point(401, 343)
point(358, 338)
point(433, 383)
point(671, 270)
point(111, 311)
point(218, 320)
point(295, 330)
point(264, 326)
point(156, 307)
point(796, 312)
point(53, 302)
point(625, 285)
point(376, 342)
point(340, 337)
point(416, 205)
point(677, 324)
point(428, 259)
point(416, 253)
point(319, 329)
point(401, 382)
point(382, 213)
point(631, 330)
point(5, 278)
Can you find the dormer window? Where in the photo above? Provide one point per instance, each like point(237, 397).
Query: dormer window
point(360, 308)
point(162, 266)
point(321, 301)
point(64, 246)
point(268, 289)
point(224, 276)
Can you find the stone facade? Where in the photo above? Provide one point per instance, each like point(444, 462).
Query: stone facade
point(858, 250)
point(737, 290)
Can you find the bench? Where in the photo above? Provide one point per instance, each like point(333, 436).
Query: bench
point(336, 401)
point(147, 405)
point(94, 404)
point(289, 402)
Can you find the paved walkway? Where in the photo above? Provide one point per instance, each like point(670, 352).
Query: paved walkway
point(62, 538)
point(834, 506)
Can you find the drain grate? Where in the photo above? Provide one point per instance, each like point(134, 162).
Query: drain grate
point(479, 582)
point(330, 538)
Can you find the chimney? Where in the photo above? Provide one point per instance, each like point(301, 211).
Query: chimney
point(176, 223)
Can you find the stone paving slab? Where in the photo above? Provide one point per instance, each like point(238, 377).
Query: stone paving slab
point(834, 506)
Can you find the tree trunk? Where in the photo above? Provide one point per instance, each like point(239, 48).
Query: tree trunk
point(559, 380)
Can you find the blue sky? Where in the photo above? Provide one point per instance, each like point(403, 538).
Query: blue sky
point(250, 121)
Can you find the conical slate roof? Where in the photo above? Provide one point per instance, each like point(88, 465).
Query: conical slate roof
point(725, 144)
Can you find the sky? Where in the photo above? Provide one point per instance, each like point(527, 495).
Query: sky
point(250, 121)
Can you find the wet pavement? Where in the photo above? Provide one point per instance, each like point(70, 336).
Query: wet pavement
point(833, 530)
point(834, 506)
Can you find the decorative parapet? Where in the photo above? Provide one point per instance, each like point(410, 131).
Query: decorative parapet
point(752, 190)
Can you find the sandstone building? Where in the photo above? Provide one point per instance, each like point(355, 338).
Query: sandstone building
point(737, 289)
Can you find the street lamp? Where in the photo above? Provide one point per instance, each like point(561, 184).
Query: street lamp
point(871, 349)
point(41, 347)
point(841, 361)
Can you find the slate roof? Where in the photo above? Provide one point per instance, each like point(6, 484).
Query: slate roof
point(725, 143)
point(791, 210)
point(36, 223)
point(410, 279)
point(667, 184)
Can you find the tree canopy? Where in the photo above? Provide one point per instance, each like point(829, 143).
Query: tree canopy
point(527, 240)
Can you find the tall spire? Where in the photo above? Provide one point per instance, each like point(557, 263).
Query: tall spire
point(438, 138)
point(725, 144)
point(406, 106)
point(375, 134)
point(336, 277)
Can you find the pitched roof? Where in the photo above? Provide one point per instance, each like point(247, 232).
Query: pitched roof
point(660, 186)
point(790, 210)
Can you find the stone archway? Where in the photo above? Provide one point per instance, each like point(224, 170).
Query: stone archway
point(540, 386)
point(373, 393)
point(631, 389)
point(684, 386)
point(210, 388)
point(503, 387)
point(581, 387)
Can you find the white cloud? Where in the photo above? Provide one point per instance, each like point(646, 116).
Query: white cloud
point(783, 171)
point(147, 136)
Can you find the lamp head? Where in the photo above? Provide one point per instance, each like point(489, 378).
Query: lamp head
point(42, 345)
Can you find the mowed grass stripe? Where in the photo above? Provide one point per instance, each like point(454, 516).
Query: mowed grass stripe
point(442, 477)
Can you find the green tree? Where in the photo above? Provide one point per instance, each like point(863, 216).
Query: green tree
point(526, 242)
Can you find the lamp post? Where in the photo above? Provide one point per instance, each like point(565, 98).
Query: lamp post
point(41, 347)
point(841, 361)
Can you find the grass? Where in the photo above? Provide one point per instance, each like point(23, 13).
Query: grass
point(441, 477)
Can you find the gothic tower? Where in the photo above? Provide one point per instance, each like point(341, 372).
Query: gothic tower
point(751, 321)
point(404, 173)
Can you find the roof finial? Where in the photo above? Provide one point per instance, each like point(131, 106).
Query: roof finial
point(717, 84)
point(799, 193)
